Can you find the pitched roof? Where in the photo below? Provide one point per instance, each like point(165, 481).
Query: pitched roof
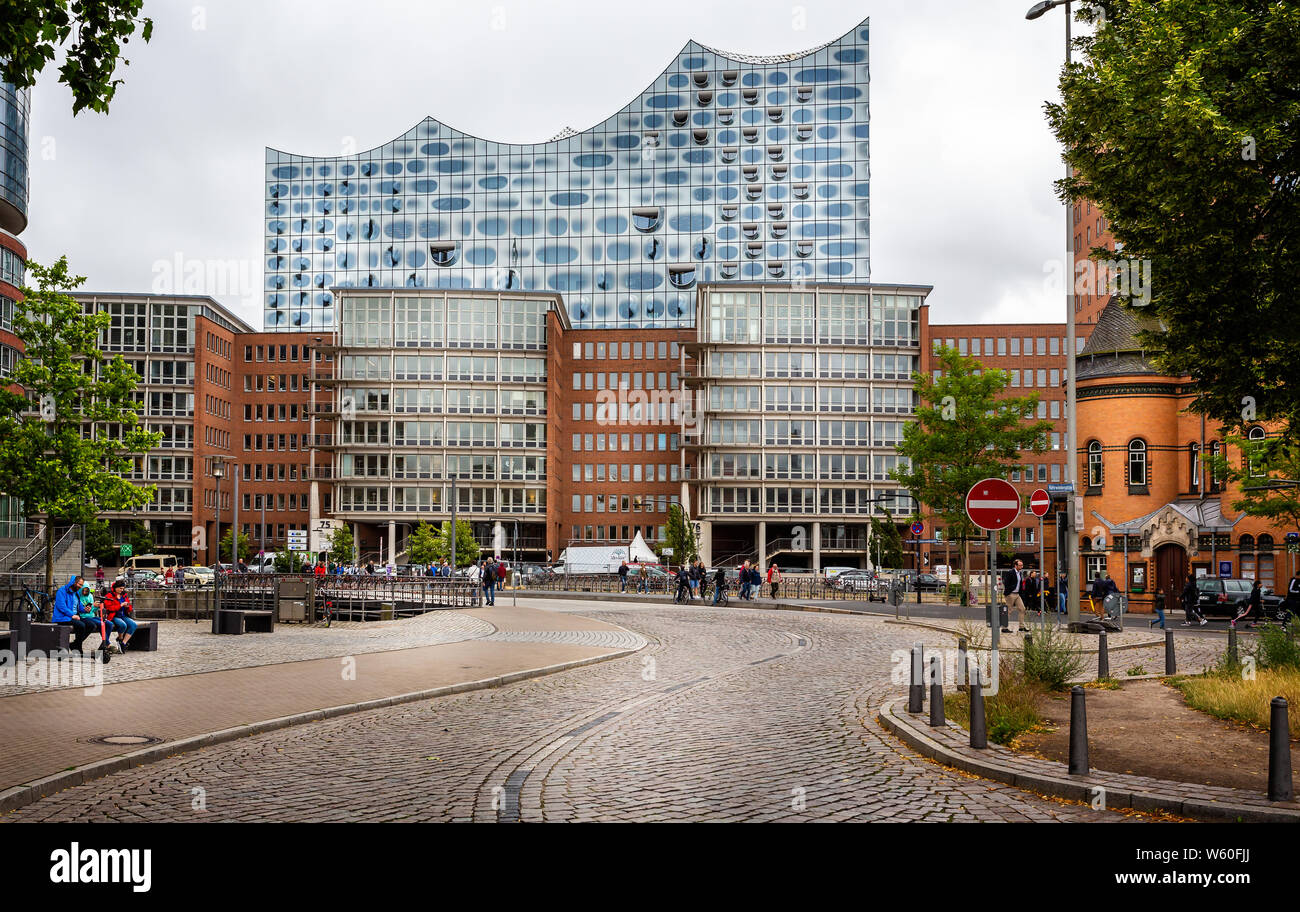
point(1113, 348)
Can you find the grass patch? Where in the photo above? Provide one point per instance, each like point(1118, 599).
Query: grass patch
point(1011, 712)
point(1136, 670)
point(1103, 684)
point(1235, 698)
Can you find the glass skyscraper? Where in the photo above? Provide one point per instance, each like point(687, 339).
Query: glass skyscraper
point(727, 168)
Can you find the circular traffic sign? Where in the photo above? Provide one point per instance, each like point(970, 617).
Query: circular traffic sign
point(918, 527)
point(1040, 502)
point(992, 504)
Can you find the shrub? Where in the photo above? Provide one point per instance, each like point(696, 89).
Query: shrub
point(1277, 648)
point(1051, 658)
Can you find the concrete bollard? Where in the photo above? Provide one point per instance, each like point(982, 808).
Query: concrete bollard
point(979, 737)
point(1103, 657)
point(1279, 752)
point(1078, 732)
point(963, 663)
point(916, 688)
point(1171, 666)
point(936, 693)
point(1232, 644)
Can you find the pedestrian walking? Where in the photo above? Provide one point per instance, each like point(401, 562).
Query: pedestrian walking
point(744, 580)
point(774, 578)
point(490, 581)
point(1013, 592)
point(1191, 598)
point(622, 577)
point(1160, 610)
point(1062, 593)
point(719, 585)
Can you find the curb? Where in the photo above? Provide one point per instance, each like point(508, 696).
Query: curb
point(20, 796)
point(1078, 788)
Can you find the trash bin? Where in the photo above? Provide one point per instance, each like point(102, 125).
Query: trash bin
point(1004, 617)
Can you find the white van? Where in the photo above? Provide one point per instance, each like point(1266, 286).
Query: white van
point(155, 562)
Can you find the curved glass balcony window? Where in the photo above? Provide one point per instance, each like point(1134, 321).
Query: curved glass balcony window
point(803, 134)
point(779, 172)
point(800, 191)
point(780, 230)
point(704, 99)
point(701, 80)
point(681, 118)
point(754, 251)
point(803, 94)
point(647, 220)
point(776, 153)
point(776, 270)
point(729, 77)
point(729, 213)
point(803, 249)
point(750, 134)
point(750, 96)
point(444, 254)
point(701, 137)
point(754, 192)
point(682, 276)
point(729, 156)
point(729, 270)
point(726, 118)
point(776, 115)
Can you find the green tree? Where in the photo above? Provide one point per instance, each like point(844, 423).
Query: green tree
point(342, 547)
point(679, 535)
point(886, 542)
point(245, 545)
point(965, 430)
point(422, 546)
point(1180, 123)
point(1267, 475)
point(289, 562)
point(32, 31)
point(68, 447)
point(467, 549)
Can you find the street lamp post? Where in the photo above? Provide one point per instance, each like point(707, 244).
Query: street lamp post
point(1071, 415)
point(218, 471)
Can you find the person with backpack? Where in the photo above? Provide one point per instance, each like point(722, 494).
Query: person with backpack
point(720, 586)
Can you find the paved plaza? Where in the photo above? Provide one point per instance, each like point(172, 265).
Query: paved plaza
point(725, 714)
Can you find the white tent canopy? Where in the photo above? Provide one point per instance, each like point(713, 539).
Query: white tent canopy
point(640, 551)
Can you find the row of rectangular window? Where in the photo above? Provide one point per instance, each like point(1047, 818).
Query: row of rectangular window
point(623, 503)
point(635, 351)
point(627, 472)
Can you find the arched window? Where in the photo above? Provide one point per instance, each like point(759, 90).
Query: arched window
point(1137, 463)
point(1255, 435)
point(1265, 542)
point(1085, 544)
point(1247, 543)
point(1194, 467)
point(1096, 473)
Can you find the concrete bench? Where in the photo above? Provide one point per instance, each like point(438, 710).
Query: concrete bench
point(239, 621)
point(145, 638)
point(50, 638)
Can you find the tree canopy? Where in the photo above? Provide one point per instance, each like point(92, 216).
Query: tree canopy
point(33, 31)
point(1181, 122)
point(68, 446)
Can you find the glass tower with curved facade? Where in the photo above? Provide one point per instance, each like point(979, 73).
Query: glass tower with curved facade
point(14, 104)
point(728, 168)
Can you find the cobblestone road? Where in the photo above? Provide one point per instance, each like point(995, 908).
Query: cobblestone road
point(726, 715)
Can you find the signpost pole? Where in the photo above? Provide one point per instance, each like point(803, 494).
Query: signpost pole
point(992, 595)
point(1042, 569)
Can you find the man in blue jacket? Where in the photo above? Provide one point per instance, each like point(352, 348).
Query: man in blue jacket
point(67, 605)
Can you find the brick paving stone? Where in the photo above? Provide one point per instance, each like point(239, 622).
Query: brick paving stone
point(735, 721)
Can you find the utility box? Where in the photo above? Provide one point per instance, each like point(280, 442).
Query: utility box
point(294, 599)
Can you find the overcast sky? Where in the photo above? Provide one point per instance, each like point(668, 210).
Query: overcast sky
point(962, 158)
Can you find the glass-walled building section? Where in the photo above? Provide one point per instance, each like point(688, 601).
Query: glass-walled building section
point(441, 397)
point(798, 398)
point(728, 167)
point(14, 131)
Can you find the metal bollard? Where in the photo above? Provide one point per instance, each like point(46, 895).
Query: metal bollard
point(1078, 732)
point(1103, 657)
point(1171, 666)
point(1279, 752)
point(963, 663)
point(979, 737)
point(916, 689)
point(936, 693)
point(1232, 644)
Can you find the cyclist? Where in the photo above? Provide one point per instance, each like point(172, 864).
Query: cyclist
point(683, 585)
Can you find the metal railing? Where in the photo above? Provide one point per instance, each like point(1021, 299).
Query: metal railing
point(810, 587)
point(61, 545)
point(358, 597)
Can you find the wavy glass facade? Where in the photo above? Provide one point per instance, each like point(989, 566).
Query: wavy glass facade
point(726, 168)
point(14, 105)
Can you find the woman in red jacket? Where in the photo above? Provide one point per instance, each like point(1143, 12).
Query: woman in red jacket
point(117, 614)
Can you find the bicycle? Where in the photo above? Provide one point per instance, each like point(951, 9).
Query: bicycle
point(27, 602)
point(326, 610)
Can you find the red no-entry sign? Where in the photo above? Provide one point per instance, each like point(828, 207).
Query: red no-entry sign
point(993, 504)
point(1040, 502)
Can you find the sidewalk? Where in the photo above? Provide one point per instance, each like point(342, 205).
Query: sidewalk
point(46, 735)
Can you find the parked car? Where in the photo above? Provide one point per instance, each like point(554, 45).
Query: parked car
point(926, 582)
point(201, 576)
point(656, 577)
point(1226, 597)
point(854, 579)
point(142, 578)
